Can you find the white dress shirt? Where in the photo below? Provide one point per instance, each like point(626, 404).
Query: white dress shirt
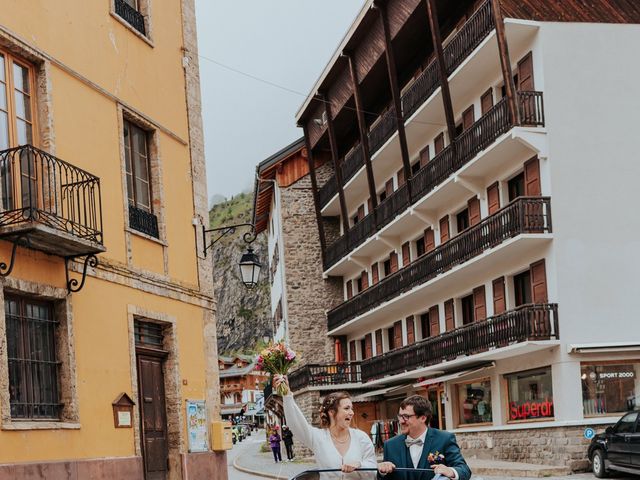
point(416, 452)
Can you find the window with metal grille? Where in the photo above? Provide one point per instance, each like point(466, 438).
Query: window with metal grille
point(33, 366)
point(148, 334)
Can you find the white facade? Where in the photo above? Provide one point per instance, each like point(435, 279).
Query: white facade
point(277, 266)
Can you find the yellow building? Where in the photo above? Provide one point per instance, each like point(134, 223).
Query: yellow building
point(112, 374)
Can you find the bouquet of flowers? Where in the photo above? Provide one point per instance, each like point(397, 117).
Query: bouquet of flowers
point(277, 359)
point(436, 458)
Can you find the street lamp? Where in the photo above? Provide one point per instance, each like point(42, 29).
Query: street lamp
point(250, 265)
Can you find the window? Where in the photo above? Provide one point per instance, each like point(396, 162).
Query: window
point(467, 309)
point(33, 366)
point(415, 168)
point(387, 267)
point(138, 172)
point(474, 402)
point(359, 284)
point(522, 288)
point(420, 246)
point(131, 12)
point(148, 334)
point(627, 424)
point(462, 220)
point(16, 109)
point(530, 394)
point(425, 325)
point(609, 388)
point(516, 187)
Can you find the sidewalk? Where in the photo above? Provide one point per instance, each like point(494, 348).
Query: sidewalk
point(262, 464)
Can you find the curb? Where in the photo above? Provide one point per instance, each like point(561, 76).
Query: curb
point(255, 472)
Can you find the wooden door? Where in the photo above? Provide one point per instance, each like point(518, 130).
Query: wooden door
point(349, 289)
point(525, 73)
point(401, 178)
point(397, 334)
point(499, 300)
point(375, 276)
point(361, 212)
point(449, 317)
point(424, 156)
point(434, 321)
point(394, 261)
point(388, 187)
point(538, 282)
point(532, 187)
point(429, 240)
point(364, 280)
point(352, 350)
point(153, 417)
point(368, 347)
point(468, 118)
point(379, 342)
point(474, 211)
point(493, 198)
point(411, 330)
point(438, 143)
point(479, 304)
point(486, 101)
point(406, 254)
point(444, 229)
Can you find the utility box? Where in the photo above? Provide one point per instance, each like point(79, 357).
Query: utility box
point(221, 436)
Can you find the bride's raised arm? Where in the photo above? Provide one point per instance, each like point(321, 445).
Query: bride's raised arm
point(296, 420)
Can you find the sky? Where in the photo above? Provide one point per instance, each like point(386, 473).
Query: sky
point(284, 42)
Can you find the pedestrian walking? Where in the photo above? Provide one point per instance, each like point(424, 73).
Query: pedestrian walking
point(274, 443)
point(287, 437)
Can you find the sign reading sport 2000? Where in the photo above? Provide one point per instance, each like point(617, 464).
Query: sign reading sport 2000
point(616, 375)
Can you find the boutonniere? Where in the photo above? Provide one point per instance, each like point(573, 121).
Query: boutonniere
point(435, 458)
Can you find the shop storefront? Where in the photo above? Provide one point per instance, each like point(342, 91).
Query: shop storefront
point(530, 395)
point(609, 388)
point(473, 402)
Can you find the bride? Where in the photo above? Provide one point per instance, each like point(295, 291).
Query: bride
point(336, 445)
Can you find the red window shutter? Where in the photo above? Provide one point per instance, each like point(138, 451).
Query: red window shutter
point(474, 211)
point(394, 261)
point(388, 187)
point(411, 330)
point(361, 212)
point(379, 342)
point(338, 350)
point(532, 186)
point(365, 280)
point(438, 143)
point(429, 240)
point(525, 73)
point(401, 177)
point(444, 229)
point(369, 205)
point(368, 349)
point(468, 118)
point(499, 301)
point(424, 156)
point(397, 334)
point(449, 317)
point(406, 254)
point(352, 350)
point(434, 321)
point(539, 282)
point(375, 276)
point(493, 198)
point(349, 289)
point(479, 304)
point(486, 101)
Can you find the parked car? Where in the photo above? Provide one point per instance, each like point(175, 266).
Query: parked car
point(618, 448)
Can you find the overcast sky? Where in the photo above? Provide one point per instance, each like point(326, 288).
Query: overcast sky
point(285, 42)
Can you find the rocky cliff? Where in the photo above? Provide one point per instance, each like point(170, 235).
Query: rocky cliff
point(243, 315)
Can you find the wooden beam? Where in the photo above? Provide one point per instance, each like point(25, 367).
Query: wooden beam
point(395, 91)
point(362, 127)
point(505, 62)
point(336, 164)
point(432, 13)
point(314, 190)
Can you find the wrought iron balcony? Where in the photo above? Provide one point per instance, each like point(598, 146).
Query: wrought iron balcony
point(533, 322)
point(329, 374)
point(143, 221)
point(132, 16)
point(523, 215)
point(55, 205)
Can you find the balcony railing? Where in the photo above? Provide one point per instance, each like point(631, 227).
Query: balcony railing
point(533, 322)
point(383, 130)
point(353, 161)
point(132, 16)
point(38, 188)
point(421, 89)
point(143, 221)
point(316, 375)
point(523, 215)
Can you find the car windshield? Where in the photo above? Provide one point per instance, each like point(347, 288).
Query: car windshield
point(627, 424)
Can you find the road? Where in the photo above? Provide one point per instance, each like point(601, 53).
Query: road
point(250, 444)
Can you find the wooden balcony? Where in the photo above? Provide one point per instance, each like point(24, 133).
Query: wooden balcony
point(325, 375)
point(535, 322)
point(461, 151)
point(524, 215)
point(52, 205)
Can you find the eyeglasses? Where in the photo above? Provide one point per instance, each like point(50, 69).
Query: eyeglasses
point(405, 417)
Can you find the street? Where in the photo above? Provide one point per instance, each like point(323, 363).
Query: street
point(247, 446)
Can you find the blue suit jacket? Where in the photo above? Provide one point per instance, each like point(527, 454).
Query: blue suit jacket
point(396, 451)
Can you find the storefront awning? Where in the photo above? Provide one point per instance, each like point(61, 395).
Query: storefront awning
point(454, 376)
point(609, 347)
point(366, 396)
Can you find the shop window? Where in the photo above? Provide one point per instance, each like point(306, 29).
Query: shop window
point(474, 402)
point(530, 395)
point(609, 388)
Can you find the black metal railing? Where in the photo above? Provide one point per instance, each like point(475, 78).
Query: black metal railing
point(383, 130)
point(320, 375)
point(393, 205)
point(525, 323)
point(143, 221)
point(336, 251)
point(328, 191)
point(38, 187)
point(420, 90)
point(132, 16)
point(353, 162)
point(523, 215)
point(476, 29)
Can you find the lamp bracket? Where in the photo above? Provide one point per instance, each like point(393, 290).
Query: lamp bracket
point(221, 232)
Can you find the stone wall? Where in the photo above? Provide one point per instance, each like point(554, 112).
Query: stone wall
point(562, 446)
point(308, 295)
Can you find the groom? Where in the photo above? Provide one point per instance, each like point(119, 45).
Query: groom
point(411, 449)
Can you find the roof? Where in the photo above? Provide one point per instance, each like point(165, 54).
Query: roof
point(266, 176)
point(237, 372)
